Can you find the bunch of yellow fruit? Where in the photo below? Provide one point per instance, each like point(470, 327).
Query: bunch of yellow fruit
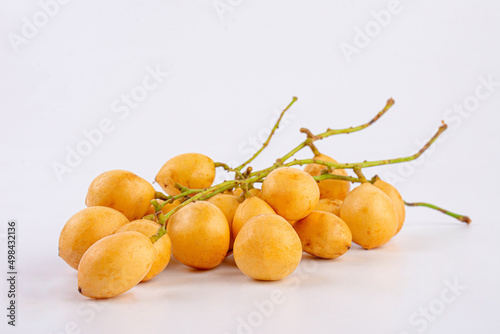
point(129, 231)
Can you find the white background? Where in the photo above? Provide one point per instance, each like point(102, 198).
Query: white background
point(229, 74)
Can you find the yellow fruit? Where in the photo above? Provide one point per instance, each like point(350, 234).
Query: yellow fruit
point(228, 205)
point(256, 192)
point(192, 170)
point(324, 235)
point(250, 207)
point(166, 208)
point(370, 215)
point(162, 246)
point(115, 264)
point(329, 205)
point(396, 199)
point(335, 189)
point(292, 193)
point(123, 191)
point(200, 235)
point(267, 248)
point(84, 229)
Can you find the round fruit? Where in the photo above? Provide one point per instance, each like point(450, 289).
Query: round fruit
point(370, 215)
point(228, 205)
point(200, 235)
point(85, 228)
point(162, 246)
point(123, 191)
point(329, 205)
point(330, 188)
point(396, 199)
point(192, 170)
point(324, 235)
point(292, 193)
point(255, 192)
point(251, 207)
point(267, 248)
point(115, 264)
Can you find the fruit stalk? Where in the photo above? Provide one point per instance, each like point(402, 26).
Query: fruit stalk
point(246, 179)
point(240, 167)
point(259, 175)
point(330, 132)
point(462, 218)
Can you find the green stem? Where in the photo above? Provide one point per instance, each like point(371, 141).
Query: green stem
point(156, 205)
point(359, 173)
point(162, 196)
point(363, 164)
point(327, 176)
point(181, 195)
point(258, 176)
point(240, 167)
point(462, 218)
point(229, 169)
point(212, 191)
point(330, 132)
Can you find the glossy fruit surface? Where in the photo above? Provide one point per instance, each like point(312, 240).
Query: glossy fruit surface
point(115, 264)
point(292, 193)
point(267, 248)
point(162, 246)
point(329, 205)
point(323, 235)
point(228, 204)
point(86, 227)
point(396, 199)
point(191, 170)
point(200, 235)
point(249, 208)
point(370, 215)
point(123, 191)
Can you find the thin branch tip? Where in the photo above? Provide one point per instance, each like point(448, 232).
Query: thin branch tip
point(466, 219)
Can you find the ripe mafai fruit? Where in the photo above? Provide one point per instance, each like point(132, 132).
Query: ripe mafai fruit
point(267, 248)
point(123, 191)
point(370, 215)
point(292, 193)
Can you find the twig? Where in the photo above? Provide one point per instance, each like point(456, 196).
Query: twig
point(462, 218)
point(240, 167)
point(330, 132)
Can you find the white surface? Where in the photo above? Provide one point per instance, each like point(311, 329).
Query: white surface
point(227, 79)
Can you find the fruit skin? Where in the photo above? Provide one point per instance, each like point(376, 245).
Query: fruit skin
point(192, 170)
point(323, 235)
point(115, 264)
point(335, 189)
point(370, 215)
point(250, 207)
point(123, 191)
point(86, 227)
point(228, 204)
point(255, 192)
point(292, 193)
point(396, 199)
point(162, 246)
point(329, 205)
point(267, 248)
point(200, 235)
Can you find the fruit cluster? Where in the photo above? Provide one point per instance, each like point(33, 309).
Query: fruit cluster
point(129, 231)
